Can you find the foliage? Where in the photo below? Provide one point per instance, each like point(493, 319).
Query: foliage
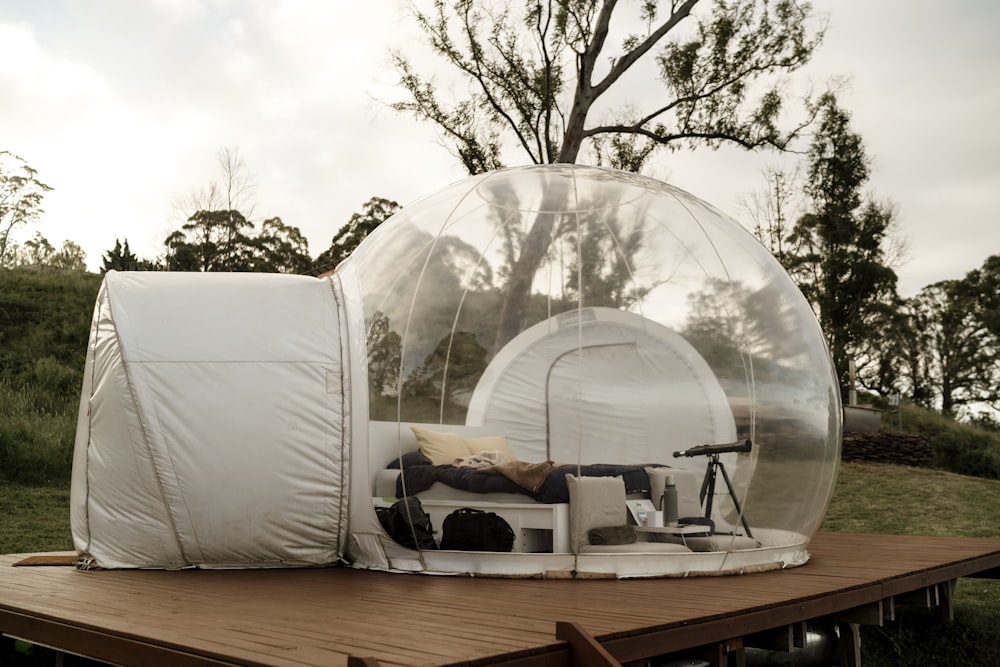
point(222, 241)
point(958, 447)
point(837, 249)
point(535, 77)
point(959, 352)
point(219, 234)
point(211, 240)
point(121, 258)
point(38, 252)
point(21, 196)
point(44, 325)
point(280, 248)
point(538, 81)
point(374, 212)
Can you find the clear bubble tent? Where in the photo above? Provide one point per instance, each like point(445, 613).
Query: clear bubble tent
point(620, 379)
point(593, 317)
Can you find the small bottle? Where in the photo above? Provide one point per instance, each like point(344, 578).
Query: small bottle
point(668, 502)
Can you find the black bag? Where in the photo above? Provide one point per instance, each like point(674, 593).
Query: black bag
point(468, 529)
point(408, 523)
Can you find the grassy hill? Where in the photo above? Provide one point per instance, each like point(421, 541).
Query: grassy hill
point(44, 323)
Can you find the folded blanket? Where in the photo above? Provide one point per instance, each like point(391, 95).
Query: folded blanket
point(530, 476)
point(481, 460)
point(612, 535)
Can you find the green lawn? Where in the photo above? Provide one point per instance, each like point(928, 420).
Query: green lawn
point(34, 518)
point(875, 498)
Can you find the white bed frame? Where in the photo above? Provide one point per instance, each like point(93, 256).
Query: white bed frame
point(538, 527)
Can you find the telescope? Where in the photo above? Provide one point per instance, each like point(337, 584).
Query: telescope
point(712, 450)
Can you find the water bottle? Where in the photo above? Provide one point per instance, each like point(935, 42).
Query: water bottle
point(668, 502)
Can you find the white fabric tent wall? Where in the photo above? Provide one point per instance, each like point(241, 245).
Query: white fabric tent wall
point(616, 387)
point(212, 423)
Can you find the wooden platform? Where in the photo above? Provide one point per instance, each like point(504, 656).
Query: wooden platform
point(325, 616)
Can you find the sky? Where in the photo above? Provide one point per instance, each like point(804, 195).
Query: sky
point(123, 106)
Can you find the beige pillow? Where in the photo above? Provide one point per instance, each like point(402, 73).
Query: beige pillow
point(490, 443)
point(440, 447)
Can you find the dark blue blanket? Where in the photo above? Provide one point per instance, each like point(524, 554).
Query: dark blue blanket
point(553, 490)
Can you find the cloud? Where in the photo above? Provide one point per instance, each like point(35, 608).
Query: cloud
point(123, 105)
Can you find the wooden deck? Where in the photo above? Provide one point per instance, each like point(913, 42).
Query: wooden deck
point(325, 616)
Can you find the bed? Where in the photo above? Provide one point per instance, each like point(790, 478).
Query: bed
point(532, 497)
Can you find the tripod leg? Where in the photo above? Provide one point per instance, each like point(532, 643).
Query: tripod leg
point(708, 486)
point(709, 475)
point(736, 502)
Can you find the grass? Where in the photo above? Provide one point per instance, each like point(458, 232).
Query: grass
point(897, 500)
point(886, 499)
point(34, 518)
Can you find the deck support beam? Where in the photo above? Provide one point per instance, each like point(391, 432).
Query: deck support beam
point(729, 653)
point(946, 601)
point(586, 651)
point(850, 644)
point(784, 638)
point(849, 624)
point(924, 598)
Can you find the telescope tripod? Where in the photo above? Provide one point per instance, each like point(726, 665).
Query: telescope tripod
point(708, 490)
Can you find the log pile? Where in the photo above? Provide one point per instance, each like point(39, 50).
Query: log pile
point(896, 448)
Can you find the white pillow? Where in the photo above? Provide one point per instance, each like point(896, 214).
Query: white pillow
point(441, 448)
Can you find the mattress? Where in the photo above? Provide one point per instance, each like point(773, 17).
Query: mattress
point(385, 487)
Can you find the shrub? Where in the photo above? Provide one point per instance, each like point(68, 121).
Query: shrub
point(44, 324)
point(962, 448)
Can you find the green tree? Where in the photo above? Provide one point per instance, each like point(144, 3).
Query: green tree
point(959, 350)
point(956, 329)
point(217, 240)
point(280, 248)
point(540, 80)
point(21, 196)
point(37, 251)
point(837, 251)
point(70, 256)
point(217, 234)
point(374, 212)
point(984, 282)
point(120, 258)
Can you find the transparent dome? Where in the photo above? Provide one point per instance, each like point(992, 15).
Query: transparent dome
point(602, 324)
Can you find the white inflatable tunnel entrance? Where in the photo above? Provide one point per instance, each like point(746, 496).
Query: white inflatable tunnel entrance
point(212, 423)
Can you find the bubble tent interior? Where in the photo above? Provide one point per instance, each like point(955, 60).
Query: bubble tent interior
point(598, 328)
